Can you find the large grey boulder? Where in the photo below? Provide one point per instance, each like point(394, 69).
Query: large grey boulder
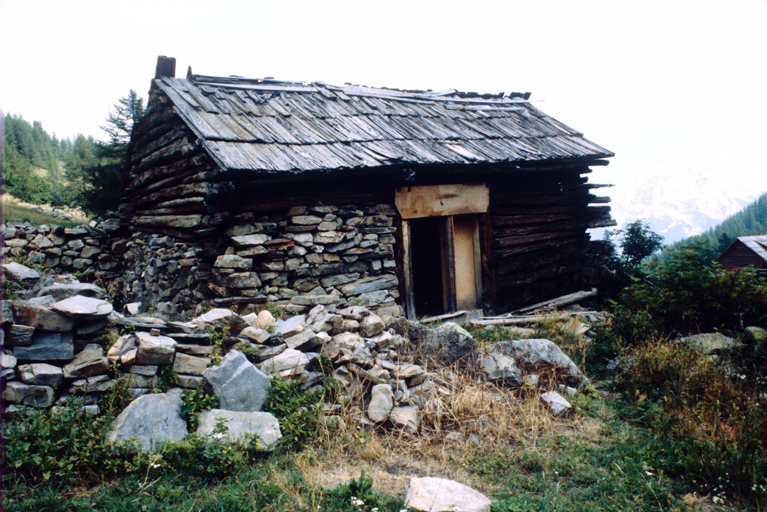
point(90, 361)
point(509, 361)
point(239, 385)
point(449, 343)
point(430, 494)
point(151, 420)
point(239, 424)
point(41, 374)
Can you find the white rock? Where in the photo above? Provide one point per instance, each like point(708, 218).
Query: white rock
point(239, 424)
point(381, 402)
point(431, 494)
point(556, 403)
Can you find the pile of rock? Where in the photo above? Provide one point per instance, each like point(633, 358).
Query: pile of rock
point(55, 347)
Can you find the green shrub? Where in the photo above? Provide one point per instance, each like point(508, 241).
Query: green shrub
point(62, 444)
point(713, 428)
point(193, 403)
point(299, 412)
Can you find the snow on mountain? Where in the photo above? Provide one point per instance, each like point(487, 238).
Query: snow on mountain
point(680, 200)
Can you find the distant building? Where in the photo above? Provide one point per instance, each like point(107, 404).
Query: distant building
point(746, 251)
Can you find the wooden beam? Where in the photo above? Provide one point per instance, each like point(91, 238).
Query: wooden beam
point(441, 200)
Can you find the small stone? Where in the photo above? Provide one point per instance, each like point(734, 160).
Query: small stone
point(556, 403)
point(19, 335)
point(289, 362)
point(19, 273)
point(405, 418)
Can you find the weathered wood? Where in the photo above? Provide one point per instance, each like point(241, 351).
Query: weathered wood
point(197, 163)
point(488, 269)
point(512, 241)
point(565, 300)
point(177, 192)
point(441, 200)
point(407, 272)
point(171, 221)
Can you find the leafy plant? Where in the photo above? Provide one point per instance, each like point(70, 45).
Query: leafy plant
point(193, 403)
point(299, 412)
point(166, 377)
point(61, 444)
point(217, 336)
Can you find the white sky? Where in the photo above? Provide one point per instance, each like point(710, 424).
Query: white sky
point(665, 84)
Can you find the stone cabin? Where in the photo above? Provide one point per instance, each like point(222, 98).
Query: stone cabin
point(414, 202)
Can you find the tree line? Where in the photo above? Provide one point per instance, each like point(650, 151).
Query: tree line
point(42, 169)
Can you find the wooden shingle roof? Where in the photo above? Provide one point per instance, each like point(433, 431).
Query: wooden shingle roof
point(274, 126)
point(757, 243)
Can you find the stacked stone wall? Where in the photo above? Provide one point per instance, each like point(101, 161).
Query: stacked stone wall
point(295, 259)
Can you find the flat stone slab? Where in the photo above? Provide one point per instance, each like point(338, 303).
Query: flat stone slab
point(291, 326)
point(83, 307)
point(54, 346)
point(41, 317)
point(150, 420)
point(240, 424)
point(62, 291)
point(429, 494)
point(19, 273)
point(190, 365)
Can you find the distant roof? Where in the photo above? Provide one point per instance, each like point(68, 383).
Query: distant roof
point(272, 126)
point(757, 243)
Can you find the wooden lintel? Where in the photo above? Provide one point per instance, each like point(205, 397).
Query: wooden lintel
point(441, 200)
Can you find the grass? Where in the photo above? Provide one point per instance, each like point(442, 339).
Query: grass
point(16, 211)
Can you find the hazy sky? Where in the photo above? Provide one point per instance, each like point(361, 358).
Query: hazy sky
point(663, 84)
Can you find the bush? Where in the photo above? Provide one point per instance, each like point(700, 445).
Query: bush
point(61, 444)
point(713, 428)
point(299, 412)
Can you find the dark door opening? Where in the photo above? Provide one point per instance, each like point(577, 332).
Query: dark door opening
point(426, 246)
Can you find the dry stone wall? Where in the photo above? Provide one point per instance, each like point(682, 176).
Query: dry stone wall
point(329, 255)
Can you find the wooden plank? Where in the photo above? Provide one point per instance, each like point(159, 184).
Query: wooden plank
point(488, 269)
point(564, 300)
point(407, 263)
point(441, 200)
point(446, 236)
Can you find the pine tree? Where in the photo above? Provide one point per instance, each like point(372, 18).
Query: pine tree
point(103, 193)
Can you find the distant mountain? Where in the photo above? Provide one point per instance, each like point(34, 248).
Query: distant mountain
point(751, 220)
point(679, 203)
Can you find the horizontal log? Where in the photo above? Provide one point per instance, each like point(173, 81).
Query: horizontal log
point(174, 135)
point(499, 254)
point(179, 149)
point(170, 221)
point(177, 192)
point(564, 300)
point(512, 241)
point(199, 161)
